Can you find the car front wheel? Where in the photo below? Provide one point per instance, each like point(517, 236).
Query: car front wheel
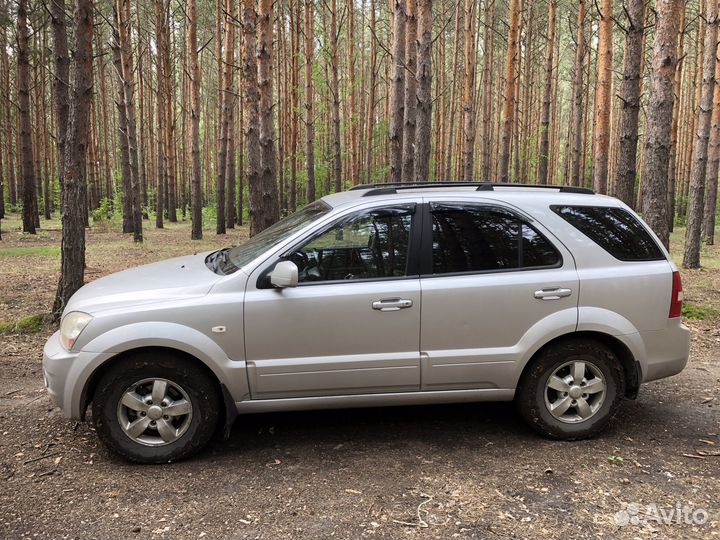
point(571, 390)
point(154, 407)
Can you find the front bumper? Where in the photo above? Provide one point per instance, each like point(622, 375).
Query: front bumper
point(66, 375)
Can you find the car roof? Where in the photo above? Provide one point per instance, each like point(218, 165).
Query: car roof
point(517, 194)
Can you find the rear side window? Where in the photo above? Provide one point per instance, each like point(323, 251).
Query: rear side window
point(475, 238)
point(615, 230)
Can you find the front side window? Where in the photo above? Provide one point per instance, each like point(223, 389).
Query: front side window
point(367, 245)
point(477, 238)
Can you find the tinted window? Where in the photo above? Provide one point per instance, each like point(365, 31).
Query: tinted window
point(367, 245)
point(616, 230)
point(472, 238)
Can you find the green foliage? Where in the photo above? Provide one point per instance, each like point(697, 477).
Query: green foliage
point(104, 212)
point(30, 251)
point(617, 460)
point(700, 312)
point(27, 325)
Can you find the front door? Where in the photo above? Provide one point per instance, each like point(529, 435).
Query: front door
point(493, 284)
point(352, 325)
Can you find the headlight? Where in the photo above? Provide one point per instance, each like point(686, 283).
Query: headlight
point(71, 326)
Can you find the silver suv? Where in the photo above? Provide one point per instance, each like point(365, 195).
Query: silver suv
point(556, 298)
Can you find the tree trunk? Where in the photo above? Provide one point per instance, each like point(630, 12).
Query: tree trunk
point(576, 129)
point(335, 94)
point(659, 120)
point(468, 151)
point(603, 103)
point(370, 122)
point(630, 98)
point(258, 193)
point(708, 221)
point(160, 176)
point(397, 91)
point(509, 97)
point(676, 118)
point(127, 80)
point(72, 251)
point(27, 171)
point(61, 77)
point(410, 98)
point(224, 115)
point(696, 203)
point(127, 221)
point(196, 178)
point(309, 97)
point(544, 150)
point(423, 134)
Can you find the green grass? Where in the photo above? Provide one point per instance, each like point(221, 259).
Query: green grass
point(700, 312)
point(27, 325)
point(30, 251)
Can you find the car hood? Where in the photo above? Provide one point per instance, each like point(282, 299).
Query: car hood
point(172, 279)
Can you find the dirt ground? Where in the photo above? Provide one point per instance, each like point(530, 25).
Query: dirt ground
point(455, 471)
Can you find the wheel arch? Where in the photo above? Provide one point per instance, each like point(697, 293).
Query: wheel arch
point(88, 392)
point(630, 365)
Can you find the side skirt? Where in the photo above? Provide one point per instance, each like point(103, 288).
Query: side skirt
point(373, 400)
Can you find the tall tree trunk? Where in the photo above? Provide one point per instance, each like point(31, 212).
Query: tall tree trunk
point(424, 91)
point(61, 77)
point(487, 85)
point(576, 125)
point(696, 203)
point(544, 150)
point(370, 123)
point(335, 94)
point(196, 178)
point(659, 120)
point(410, 99)
point(27, 170)
point(468, 151)
point(160, 176)
point(170, 143)
point(72, 250)
point(603, 99)
point(676, 117)
point(708, 221)
point(224, 115)
point(128, 83)
point(630, 98)
point(397, 91)
point(127, 220)
point(309, 98)
point(509, 96)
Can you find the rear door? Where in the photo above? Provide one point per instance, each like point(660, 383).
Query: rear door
point(492, 282)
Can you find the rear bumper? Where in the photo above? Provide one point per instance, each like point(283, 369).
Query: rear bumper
point(666, 351)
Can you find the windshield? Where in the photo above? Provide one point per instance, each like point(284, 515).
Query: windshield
point(232, 259)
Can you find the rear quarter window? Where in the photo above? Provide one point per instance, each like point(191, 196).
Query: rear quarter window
point(615, 230)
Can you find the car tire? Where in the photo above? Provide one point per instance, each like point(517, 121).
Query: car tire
point(179, 426)
point(571, 389)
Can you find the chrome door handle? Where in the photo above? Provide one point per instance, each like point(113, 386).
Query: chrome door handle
point(552, 293)
point(392, 304)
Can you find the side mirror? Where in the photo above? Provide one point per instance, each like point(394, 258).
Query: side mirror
point(285, 274)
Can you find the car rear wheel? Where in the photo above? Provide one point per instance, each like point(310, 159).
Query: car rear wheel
point(571, 390)
point(154, 407)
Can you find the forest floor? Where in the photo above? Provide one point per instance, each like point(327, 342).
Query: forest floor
point(455, 471)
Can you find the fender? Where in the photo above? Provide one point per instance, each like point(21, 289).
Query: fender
point(230, 373)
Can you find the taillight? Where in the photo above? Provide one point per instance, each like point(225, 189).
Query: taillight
point(676, 299)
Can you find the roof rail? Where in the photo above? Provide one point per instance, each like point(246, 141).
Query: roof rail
point(390, 187)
